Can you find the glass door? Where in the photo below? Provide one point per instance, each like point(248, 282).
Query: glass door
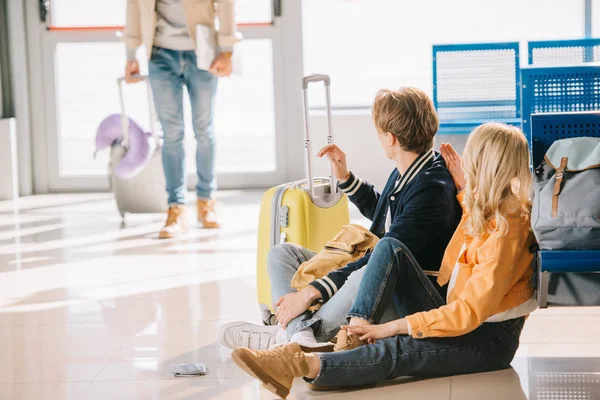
point(82, 58)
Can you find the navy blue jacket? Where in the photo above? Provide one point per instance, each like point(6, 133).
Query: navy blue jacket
point(424, 214)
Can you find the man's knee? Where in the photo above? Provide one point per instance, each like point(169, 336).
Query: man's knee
point(174, 141)
point(173, 129)
point(353, 281)
point(203, 133)
point(279, 255)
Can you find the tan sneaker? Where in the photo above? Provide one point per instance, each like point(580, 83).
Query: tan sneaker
point(175, 224)
point(207, 215)
point(275, 368)
point(346, 341)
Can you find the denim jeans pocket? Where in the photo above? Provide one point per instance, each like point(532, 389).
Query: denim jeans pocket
point(155, 51)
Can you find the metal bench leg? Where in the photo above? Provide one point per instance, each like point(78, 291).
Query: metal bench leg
point(543, 280)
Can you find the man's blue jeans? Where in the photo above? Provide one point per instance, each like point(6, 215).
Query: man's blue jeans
point(169, 71)
point(393, 275)
point(282, 263)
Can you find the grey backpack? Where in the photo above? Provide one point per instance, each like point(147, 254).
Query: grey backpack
point(566, 204)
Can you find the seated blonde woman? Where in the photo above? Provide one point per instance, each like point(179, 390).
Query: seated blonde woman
point(487, 267)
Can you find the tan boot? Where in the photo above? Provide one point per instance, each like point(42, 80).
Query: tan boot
point(346, 341)
point(207, 215)
point(275, 368)
point(175, 224)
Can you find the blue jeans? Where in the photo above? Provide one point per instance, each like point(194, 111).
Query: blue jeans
point(394, 275)
point(282, 263)
point(169, 71)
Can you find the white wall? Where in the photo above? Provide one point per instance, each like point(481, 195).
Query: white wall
point(8, 160)
point(355, 134)
point(20, 89)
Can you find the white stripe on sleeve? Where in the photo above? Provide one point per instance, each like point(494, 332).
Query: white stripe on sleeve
point(352, 193)
point(328, 280)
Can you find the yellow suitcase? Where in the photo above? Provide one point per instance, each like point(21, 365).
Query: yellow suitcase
point(308, 212)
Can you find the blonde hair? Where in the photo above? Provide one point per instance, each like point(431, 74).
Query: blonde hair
point(409, 114)
point(496, 166)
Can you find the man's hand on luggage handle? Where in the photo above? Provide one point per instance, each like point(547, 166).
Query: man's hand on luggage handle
point(337, 158)
point(293, 304)
point(453, 164)
point(132, 72)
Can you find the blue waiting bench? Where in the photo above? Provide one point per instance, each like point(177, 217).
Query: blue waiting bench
point(545, 129)
point(476, 83)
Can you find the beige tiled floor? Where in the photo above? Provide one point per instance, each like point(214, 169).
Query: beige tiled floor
point(91, 309)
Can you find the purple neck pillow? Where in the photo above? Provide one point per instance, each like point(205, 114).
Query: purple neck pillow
point(140, 149)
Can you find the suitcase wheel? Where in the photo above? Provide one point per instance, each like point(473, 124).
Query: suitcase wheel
point(270, 320)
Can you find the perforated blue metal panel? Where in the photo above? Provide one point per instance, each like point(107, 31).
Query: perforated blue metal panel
point(476, 81)
point(554, 384)
point(559, 89)
point(546, 128)
point(563, 52)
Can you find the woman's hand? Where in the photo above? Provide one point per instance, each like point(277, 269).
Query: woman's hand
point(453, 164)
point(372, 333)
point(293, 304)
point(337, 158)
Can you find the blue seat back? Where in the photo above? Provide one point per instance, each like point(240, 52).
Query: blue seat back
point(476, 81)
point(546, 128)
point(563, 52)
point(558, 90)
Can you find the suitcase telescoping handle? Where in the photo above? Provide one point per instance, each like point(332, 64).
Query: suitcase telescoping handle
point(151, 111)
point(307, 148)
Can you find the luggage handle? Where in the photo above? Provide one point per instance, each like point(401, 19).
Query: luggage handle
point(125, 120)
point(316, 78)
point(307, 148)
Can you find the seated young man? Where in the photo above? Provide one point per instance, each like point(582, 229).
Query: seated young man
point(417, 207)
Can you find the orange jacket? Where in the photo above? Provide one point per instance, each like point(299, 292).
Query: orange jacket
point(495, 276)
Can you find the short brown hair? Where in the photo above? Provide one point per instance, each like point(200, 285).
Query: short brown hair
point(409, 114)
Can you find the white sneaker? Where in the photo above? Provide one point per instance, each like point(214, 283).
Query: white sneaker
point(255, 337)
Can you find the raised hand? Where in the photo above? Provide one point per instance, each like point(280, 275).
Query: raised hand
point(337, 158)
point(453, 164)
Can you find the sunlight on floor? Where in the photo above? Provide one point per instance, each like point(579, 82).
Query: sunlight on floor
point(93, 309)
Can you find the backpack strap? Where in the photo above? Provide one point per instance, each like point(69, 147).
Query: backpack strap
point(559, 177)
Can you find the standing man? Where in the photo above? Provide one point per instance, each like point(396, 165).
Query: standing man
point(167, 28)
